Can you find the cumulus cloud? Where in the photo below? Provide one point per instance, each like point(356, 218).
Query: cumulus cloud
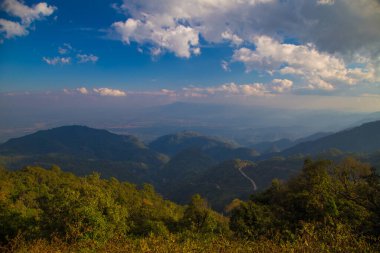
point(99, 91)
point(57, 60)
point(281, 85)
point(320, 70)
point(232, 89)
point(277, 86)
point(177, 25)
point(82, 90)
point(110, 92)
point(26, 14)
point(228, 35)
point(318, 21)
point(178, 39)
point(83, 58)
point(12, 29)
point(335, 33)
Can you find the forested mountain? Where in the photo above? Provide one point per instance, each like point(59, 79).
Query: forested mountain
point(361, 139)
point(218, 149)
point(82, 150)
point(84, 142)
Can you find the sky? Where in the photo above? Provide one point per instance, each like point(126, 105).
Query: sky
point(314, 54)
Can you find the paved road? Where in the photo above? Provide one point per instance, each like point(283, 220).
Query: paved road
point(247, 177)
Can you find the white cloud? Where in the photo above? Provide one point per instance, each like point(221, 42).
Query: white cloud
point(177, 25)
point(178, 39)
point(66, 91)
point(225, 66)
point(57, 60)
point(228, 35)
point(110, 92)
point(69, 56)
point(320, 70)
point(65, 49)
point(228, 89)
point(256, 89)
point(325, 2)
point(281, 85)
point(12, 29)
point(155, 51)
point(166, 92)
point(116, 7)
point(238, 20)
point(83, 58)
point(62, 50)
point(27, 15)
point(99, 91)
point(342, 29)
point(82, 90)
point(277, 86)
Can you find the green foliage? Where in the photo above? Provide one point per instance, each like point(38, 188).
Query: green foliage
point(251, 220)
point(324, 194)
point(200, 218)
point(45, 203)
point(328, 207)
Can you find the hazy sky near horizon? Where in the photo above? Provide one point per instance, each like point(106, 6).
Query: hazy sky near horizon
point(313, 54)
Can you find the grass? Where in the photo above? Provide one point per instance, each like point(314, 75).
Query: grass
point(194, 243)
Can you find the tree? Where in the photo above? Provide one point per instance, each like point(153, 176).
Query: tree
point(198, 217)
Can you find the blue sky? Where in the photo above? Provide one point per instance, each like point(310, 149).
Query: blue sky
point(119, 66)
point(271, 51)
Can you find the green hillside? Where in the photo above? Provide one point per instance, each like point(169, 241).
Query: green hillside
point(361, 139)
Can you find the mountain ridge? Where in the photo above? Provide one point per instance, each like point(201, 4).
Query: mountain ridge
point(361, 139)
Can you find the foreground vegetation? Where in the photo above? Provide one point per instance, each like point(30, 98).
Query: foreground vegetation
point(307, 242)
point(328, 207)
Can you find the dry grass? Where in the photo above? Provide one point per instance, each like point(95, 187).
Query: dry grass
point(182, 243)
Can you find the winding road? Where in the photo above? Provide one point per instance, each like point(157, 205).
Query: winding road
point(247, 177)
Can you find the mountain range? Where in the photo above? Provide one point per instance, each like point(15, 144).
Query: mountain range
point(182, 164)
